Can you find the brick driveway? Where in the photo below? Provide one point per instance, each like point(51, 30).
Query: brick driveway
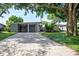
point(32, 44)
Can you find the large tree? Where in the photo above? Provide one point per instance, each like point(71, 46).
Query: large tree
point(68, 9)
point(72, 21)
point(11, 20)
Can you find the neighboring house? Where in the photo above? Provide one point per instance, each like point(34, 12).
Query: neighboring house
point(62, 25)
point(1, 27)
point(26, 27)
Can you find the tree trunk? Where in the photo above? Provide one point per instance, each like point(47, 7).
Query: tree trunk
point(72, 21)
point(70, 27)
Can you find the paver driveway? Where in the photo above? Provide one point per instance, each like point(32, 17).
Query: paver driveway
point(32, 44)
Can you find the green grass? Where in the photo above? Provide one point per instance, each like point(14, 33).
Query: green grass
point(4, 35)
point(60, 37)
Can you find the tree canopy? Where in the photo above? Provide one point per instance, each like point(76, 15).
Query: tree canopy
point(15, 19)
point(4, 8)
point(11, 20)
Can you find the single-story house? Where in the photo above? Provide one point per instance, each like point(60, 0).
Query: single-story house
point(26, 27)
point(33, 27)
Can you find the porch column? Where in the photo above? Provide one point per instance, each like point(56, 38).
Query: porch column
point(28, 27)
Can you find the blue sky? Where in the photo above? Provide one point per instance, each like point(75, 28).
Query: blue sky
point(27, 18)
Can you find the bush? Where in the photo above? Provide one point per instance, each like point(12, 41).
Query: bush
point(49, 27)
point(52, 28)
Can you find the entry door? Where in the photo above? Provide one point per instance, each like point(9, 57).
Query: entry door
point(32, 28)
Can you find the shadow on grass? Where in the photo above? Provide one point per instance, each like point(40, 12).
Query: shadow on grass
point(62, 38)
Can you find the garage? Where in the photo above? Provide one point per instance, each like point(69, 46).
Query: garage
point(26, 27)
point(32, 28)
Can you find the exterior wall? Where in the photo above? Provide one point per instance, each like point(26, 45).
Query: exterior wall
point(62, 27)
point(14, 28)
point(1, 27)
point(37, 27)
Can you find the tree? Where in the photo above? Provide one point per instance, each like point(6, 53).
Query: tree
point(68, 9)
point(13, 19)
point(55, 18)
point(4, 8)
point(48, 26)
point(72, 21)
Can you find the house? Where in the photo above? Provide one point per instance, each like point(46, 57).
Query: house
point(33, 27)
point(26, 27)
point(1, 27)
point(62, 25)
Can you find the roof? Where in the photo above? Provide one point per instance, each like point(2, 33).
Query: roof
point(62, 23)
point(29, 23)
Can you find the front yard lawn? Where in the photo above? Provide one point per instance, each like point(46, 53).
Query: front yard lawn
point(72, 42)
point(4, 35)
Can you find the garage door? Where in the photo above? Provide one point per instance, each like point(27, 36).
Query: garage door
point(22, 27)
point(32, 28)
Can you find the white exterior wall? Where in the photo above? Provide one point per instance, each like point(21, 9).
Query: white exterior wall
point(62, 25)
point(62, 28)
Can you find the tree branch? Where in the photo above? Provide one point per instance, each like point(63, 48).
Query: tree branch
point(55, 7)
point(2, 13)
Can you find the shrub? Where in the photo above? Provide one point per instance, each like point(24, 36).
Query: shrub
point(49, 27)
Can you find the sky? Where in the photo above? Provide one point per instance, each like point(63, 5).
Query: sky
point(27, 18)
